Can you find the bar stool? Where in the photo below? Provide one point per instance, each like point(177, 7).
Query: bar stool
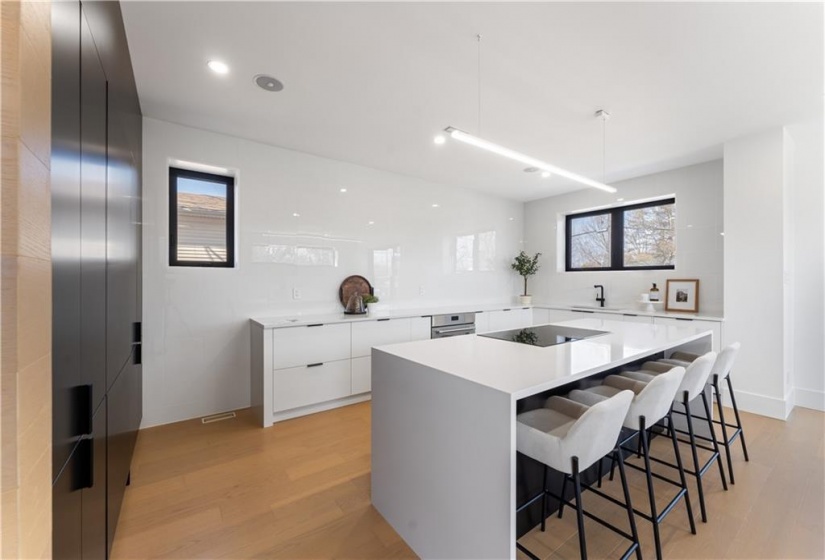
point(570, 437)
point(651, 403)
point(692, 386)
point(721, 370)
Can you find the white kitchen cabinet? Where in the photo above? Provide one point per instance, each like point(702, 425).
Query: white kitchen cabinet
point(559, 315)
point(541, 316)
point(483, 322)
point(299, 346)
point(505, 319)
point(367, 334)
point(633, 318)
point(310, 384)
point(361, 375)
point(712, 326)
point(420, 328)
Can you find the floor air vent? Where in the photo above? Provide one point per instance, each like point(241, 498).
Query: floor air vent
point(218, 417)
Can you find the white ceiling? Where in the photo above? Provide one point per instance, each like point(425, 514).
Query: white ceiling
point(372, 83)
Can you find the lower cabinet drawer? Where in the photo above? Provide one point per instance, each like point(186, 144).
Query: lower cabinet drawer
point(361, 375)
point(310, 384)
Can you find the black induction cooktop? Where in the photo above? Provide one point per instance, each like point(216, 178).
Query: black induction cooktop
point(544, 335)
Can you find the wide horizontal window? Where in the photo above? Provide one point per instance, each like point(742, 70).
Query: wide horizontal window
point(201, 219)
point(635, 237)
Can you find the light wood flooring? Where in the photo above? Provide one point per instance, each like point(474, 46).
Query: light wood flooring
point(301, 490)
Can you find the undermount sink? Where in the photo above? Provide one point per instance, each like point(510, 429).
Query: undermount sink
point(597, 308)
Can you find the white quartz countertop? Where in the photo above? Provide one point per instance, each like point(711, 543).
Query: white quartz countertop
point(628, 310)
point(276, 321)
point(297, 320)
point(522, 370)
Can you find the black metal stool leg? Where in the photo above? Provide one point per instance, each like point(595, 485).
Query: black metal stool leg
point(577, 487)
point(654, 517)
point(738, 421)
point(682, 477)
point(544, 498)
point(696, 471)
point(617, 457)
point(725, 440)
point(563, 490)
point(715, 441)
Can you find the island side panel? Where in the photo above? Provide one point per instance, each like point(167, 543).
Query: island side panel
point(260, 370)
point(443, 460)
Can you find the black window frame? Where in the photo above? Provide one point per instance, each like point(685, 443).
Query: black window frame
point(616, 237)
point(176, 173)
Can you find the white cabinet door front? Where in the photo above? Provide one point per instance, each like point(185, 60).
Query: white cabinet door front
point(367, 334)
point(510, 319)
point(361, 375)
point(299, 346)
point(482, 322)
point(712, 326)
point(311, 384)
point(420, 328)
point(631, 318)
point(541, 316)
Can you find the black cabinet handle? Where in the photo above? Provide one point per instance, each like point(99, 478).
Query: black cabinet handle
point(629, 315)
point(137, 355)
point(386, 319)
point(137, 333)
point(682, 319)
point(505, 310)
point(316, 325)
point(86, 463)
point(581, 311)
point(82, 410)
point(315, 365)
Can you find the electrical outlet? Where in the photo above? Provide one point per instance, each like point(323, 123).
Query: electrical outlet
point(296, 293)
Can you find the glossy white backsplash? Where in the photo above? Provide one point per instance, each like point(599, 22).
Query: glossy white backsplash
point(699, 244)
point(384, 227)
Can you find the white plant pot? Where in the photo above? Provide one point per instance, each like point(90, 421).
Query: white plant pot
point(525, 300)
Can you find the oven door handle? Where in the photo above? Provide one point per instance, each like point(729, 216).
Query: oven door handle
point(449, 330)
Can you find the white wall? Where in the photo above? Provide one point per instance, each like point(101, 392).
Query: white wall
point(809, 271)
point(757, 269)
point(699, 245)
point(196, 333)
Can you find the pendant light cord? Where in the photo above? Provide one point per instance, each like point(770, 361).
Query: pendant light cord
point(604, 149)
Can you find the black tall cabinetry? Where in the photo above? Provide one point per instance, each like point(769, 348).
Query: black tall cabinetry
point(96, 198)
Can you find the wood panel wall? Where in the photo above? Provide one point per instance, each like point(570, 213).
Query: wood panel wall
point(25, 282)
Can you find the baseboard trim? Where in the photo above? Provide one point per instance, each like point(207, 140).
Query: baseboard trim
point(807, 398)
point(312, 409)
point(761, 404)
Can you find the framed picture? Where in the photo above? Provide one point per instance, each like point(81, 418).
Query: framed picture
point(682, 295)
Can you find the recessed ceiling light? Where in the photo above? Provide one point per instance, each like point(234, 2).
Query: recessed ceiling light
point(218, 67)
point(439, 139)
point(370, 223)
point(511, 219)
point(435, 205)
point(296, 215)
point(342, 189)
point(619, 200)
point(545, 174)
point(268, 83)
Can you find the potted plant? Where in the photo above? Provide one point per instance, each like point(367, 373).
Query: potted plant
point(526, 266)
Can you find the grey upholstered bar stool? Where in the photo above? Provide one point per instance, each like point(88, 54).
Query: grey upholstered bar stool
point(652, 403)
point(721, 370)
point(570, 437)
point(692, 387)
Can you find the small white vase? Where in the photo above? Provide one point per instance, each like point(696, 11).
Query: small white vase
point(525, 300)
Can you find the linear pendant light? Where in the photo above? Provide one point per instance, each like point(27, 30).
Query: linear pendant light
point(462, 136)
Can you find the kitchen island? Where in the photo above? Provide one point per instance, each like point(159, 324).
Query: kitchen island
point(444, 425)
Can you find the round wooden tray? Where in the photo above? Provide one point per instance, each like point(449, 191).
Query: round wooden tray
point(352, 284)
